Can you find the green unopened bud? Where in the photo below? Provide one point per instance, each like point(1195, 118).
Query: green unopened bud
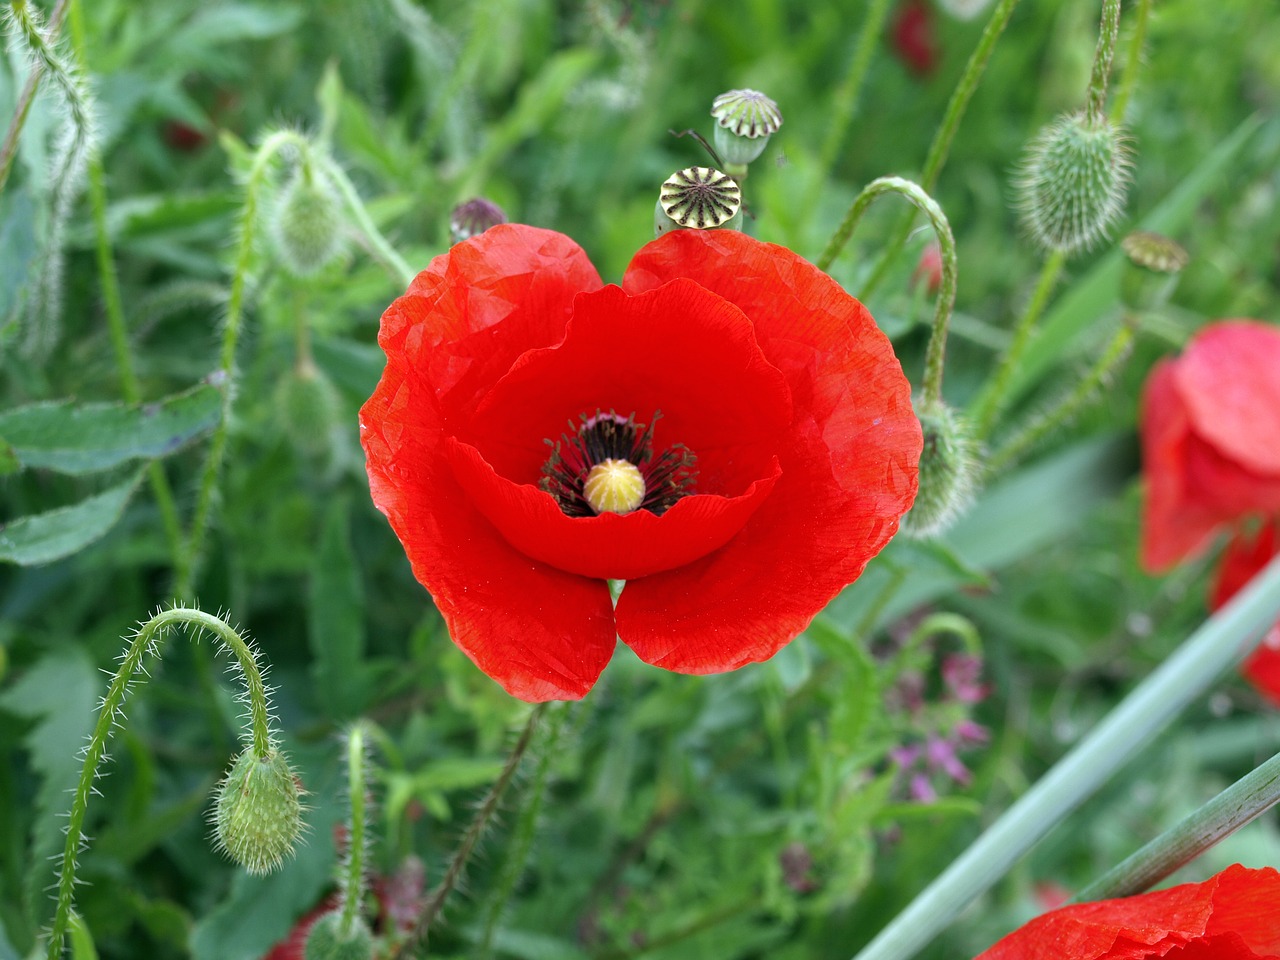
point(1153, 263)
point(307, 225)
point(745, 120)
point(1073, 182)
point(473, 218)
point(328, 941)
point(309, 408)
point(948, 473)
point(258, 812)
point(700, 198)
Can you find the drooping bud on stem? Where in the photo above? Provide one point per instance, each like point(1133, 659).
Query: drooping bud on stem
point(948, 472)
point(258, 813)
point(307, 223)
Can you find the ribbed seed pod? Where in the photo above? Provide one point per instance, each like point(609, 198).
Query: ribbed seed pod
point(745, 120)
point(698, 197)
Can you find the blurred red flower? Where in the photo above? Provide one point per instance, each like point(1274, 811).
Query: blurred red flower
point(783, 458)
point(1232, 916)
point(915, 36)
point(1244, 557)
point(1210, 439)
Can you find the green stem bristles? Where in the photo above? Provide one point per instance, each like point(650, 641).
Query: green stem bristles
point(145, 642)
point(1132, 63)
point(352, 881)
point(1066, 409)
point(9, 148)
point(1221, 643)
point(941, 145)
point(936, 353)
point(1248, 798)
point(1096, 110)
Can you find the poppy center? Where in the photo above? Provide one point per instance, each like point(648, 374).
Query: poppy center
point(607, 465)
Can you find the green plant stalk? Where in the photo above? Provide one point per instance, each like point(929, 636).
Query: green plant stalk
point(462, 855)
point(1132, 63)
point(353, 873)
point(114, 305)
point(9, 149)
point(523, 834)
point(377, 242)
point(1249, 797)
point(936, 352)
point(986, 409)
point(936, 158)
point(190, 555)
point(1220, 643)
point(1099, 77)
point(1031, 433)
point(146, 640)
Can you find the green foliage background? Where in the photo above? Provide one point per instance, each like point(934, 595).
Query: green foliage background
point(670, 798)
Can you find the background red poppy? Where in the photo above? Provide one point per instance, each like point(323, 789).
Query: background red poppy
point(1245, 555)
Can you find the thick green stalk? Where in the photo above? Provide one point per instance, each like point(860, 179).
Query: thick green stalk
point(936, 353)
point(131, 671)
point(1108, 30)
point(1249, 797)
point(1220, 643)
point(941, 145)
point(377, 242)
point(1132, 63)
point(352, 883)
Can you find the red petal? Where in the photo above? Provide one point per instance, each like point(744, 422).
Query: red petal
point(1244, 557)
point(542, 633)
point(848, 461)
point(1229, 378)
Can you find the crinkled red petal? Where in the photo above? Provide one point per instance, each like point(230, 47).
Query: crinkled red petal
point(540, 632)
point(849, 461)
point(1229, 913)
point(1229, 378)
point(1243, 558)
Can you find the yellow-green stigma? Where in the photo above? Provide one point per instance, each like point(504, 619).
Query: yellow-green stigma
point(614, 486)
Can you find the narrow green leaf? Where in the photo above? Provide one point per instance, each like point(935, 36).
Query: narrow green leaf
point(85, 438)
point(45, 537)
point(82, 947)
point(336, 621)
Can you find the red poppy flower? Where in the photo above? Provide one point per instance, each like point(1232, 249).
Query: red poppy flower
point(1232, 916)
point(1210, 439)
point(1244, 557)
point(738, 396)
point(914, 37)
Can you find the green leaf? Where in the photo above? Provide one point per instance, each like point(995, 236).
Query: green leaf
point(45, 537)
point(336, 620)
point(82, 947)
point(85, 438)
point(231, 22)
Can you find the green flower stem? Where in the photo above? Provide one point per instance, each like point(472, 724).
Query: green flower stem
point(1031, 433)
point(194, 547)
point(941, 145)
point(9, 148)
point(462, 855)
point(1249, 797)
point(1132, 63)
point(377, 242)
point(1108, 30)
point(1220, 643)
point(353, 873)
point(986, 409)
point(936, 352)
point(146, 640)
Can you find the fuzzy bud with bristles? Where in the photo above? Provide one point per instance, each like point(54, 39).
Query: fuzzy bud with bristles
point(473, 218)
point(308, 407)
point(948, 473)
point(745, 120)
point(1073, 182)
point(700, 198)
point(258, 812)
point(328, 941)
point(1151, 271)
point(307, 224)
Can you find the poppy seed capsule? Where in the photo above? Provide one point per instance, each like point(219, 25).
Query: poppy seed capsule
point(614, 486)
point(307, 222)
point(948, 472)
point(473, 218)
point(257, 814)
point(1073, 182)
point(1153, 262)
point(700, 198)
point(745, 120)
point(326, 941)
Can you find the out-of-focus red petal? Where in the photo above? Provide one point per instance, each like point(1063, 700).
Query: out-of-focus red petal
point(1229, 378)
point(849, 461)
point(608, 546)
point(1174, 524)
point(678, 349)
point(1232, 911)
point(541, 633)
point(1243, 558)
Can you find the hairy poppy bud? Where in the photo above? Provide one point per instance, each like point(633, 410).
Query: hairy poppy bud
point(1151, 273)
point(474, 217)
point(307, 222)
point(308, 407)
point(1073, 182)
point(948, 473)
point(745, 120)
point(328, 941)
point(258, 814)
point(698, 197)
